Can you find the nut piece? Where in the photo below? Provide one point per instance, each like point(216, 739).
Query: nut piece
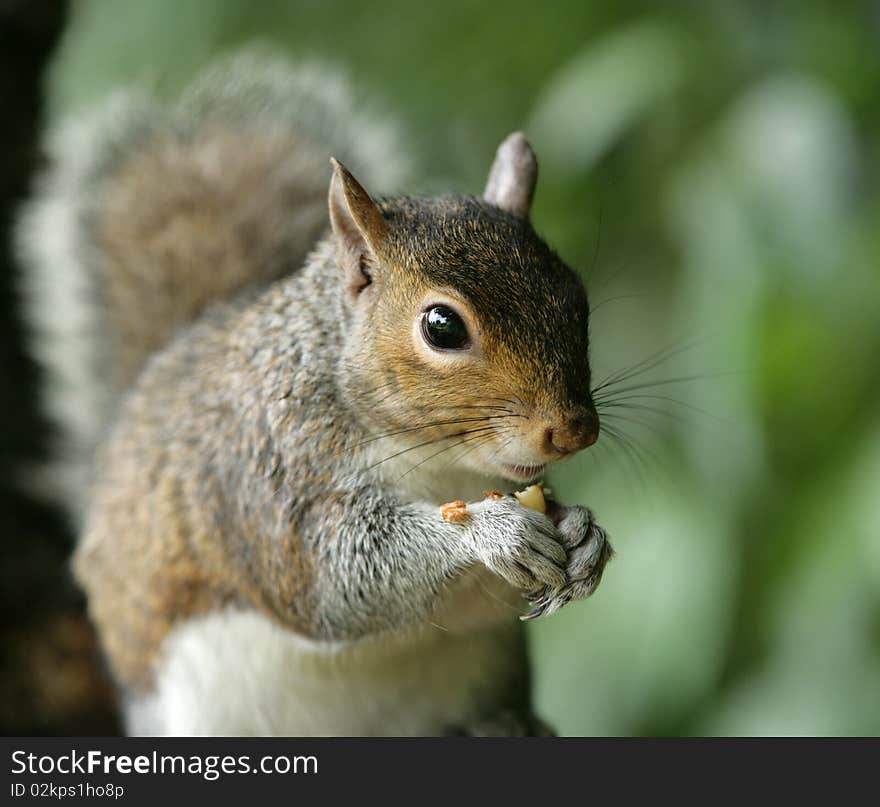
point(533, 498)
point(454, 511)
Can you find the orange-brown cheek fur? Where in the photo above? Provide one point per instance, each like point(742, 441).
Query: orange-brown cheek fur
point(414, 390)
point(429, 392)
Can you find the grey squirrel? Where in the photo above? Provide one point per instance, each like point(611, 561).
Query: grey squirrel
point(257, 435)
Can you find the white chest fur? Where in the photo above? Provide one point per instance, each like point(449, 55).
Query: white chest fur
point(238, 673)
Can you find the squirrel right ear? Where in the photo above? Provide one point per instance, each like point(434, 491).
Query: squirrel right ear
point(511, 183)
point(358, 225)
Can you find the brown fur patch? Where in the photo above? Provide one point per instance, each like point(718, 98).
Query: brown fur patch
point(189, 221)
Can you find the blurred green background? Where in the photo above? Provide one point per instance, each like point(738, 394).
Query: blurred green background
point(712, 167)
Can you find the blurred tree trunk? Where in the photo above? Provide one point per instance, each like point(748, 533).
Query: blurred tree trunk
point(51, 677)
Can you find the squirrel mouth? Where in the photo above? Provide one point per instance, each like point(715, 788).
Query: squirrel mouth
point(524, 473)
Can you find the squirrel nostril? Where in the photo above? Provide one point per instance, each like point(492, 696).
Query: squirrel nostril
point(578, 433)
point(558, 441)
point(587, 429)
point(591, 436)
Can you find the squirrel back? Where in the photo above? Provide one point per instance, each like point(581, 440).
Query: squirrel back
point(148, 214)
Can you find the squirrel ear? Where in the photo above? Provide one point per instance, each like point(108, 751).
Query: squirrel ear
point(357, 222)
point(511, 183)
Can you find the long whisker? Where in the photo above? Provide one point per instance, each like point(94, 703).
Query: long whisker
point(611, 399)
point(440, 399)
point(640, 449)
point(448, 448)
point(500, 448)
point(613, 410)
point(471, 448)
point(607, 300)
point(428, 443)
point(651, 360)
point(618, 416)
point(633, 458)
point(604, 446)
point(432, 424)
point(667, 381)
point(478, 406)
point(646, 364)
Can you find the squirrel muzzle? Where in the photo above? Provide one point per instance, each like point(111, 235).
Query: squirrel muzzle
point(569, 433)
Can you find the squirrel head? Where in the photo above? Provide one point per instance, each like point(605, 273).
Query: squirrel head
point(466, 336)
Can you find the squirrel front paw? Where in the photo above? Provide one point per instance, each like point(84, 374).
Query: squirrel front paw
point(520, 545)
point(588, 551)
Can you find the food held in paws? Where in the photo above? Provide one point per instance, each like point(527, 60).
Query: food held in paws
point(454, 511)
point(533, 498)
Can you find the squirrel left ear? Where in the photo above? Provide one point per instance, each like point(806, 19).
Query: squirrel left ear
point(358, 224)
point(511, 183)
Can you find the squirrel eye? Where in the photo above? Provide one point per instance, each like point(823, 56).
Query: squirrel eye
point(444, 329)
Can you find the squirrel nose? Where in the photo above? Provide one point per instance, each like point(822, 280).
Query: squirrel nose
point(574, 433)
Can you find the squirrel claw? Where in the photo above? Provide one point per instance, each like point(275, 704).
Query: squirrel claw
point(535, 613)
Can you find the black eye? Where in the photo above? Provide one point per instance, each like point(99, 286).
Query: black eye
point(444, 329)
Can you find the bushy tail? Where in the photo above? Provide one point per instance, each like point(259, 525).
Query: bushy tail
point(148, 213)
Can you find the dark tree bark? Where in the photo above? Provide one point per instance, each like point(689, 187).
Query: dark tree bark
point(52, 680)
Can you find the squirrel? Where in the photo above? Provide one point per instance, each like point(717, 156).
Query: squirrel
point(262, 408)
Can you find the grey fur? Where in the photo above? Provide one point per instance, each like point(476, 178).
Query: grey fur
point(63, 287)
point(238, 461)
